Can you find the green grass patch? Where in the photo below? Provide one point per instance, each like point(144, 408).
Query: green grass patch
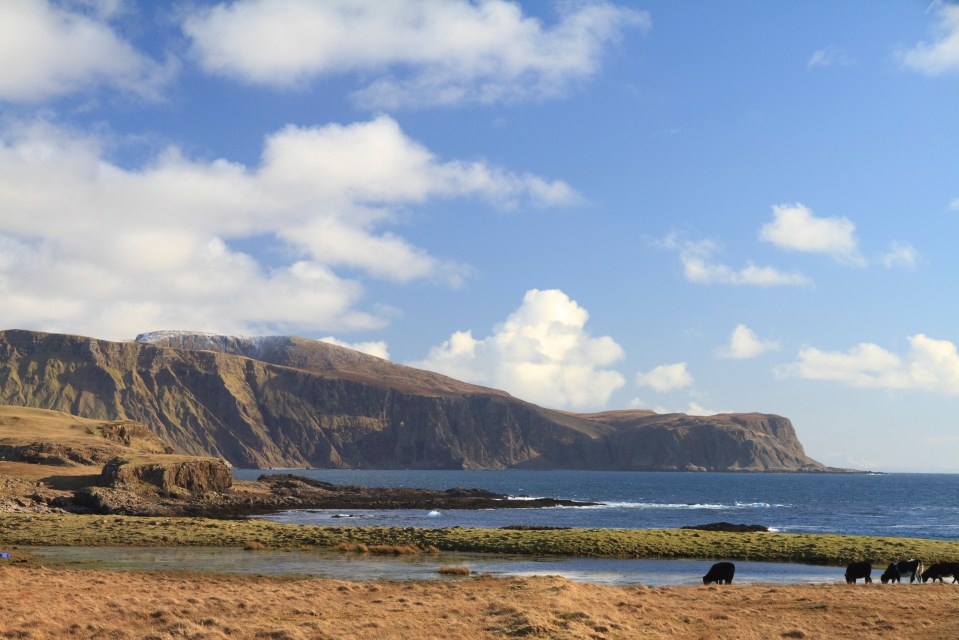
point(83, 530)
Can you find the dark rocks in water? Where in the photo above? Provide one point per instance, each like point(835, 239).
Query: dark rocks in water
point(533, 527)
point(298, 492)
point(272, 493)
point(728, 527)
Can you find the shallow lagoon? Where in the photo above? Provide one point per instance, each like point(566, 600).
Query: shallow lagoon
point(345, 566)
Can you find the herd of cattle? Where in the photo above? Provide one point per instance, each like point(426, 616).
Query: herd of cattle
point(902, 568)
point(722, 572)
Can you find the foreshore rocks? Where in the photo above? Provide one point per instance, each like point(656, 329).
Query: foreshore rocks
point(314, 494)
point(271, 493)
point(728, 527)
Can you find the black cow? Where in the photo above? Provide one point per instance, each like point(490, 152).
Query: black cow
point(895, 571)
point(720, 573)
point(940, 570)
point(857, 570)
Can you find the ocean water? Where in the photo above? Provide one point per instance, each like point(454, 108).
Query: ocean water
point(906, 505)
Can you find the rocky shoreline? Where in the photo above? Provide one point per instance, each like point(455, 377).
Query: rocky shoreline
point(273, 493)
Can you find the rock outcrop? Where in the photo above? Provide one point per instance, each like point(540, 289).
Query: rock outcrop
point(169, 476)
point(293, 402)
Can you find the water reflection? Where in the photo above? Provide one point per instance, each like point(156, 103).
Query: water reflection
point(344, 566)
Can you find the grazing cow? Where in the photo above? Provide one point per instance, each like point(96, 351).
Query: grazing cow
point(720, 573)
point(857, 570)
point(940, 570)
point(895, 571)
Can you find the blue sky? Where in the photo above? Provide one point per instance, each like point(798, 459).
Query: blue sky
point(683, 206)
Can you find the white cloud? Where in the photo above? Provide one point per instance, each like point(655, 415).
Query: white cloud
point(699, 267)
point(830, 56)
point(744, 343)
point(48, 51)
point(899, 255)
point(795, 228)
point(376, 348)
point(954, 205)
point(414, 52)
point(941, 55)
point(931, 365)
point(541, 353)
point(95, 248)
point(693, 408)
point(666, 377)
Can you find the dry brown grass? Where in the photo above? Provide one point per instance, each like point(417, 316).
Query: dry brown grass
point(42, 602)
point(393, 549)
point(456, 570)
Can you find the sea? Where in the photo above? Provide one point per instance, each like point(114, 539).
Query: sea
point(896, 504)
point(906, 505)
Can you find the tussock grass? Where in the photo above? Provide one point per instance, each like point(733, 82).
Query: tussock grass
point(394, 549)
point(80, 530)
point(458, 570)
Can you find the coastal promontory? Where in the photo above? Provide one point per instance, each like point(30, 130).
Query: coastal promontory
point(295, 402)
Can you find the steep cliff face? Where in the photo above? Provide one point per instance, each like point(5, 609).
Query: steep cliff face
point(296, 402)
point(725, 442)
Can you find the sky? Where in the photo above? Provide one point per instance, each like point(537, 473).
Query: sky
point(694, 207)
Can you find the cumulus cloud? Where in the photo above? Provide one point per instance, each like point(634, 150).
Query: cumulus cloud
point(93, 247)
point(376, 348)
point(700, 267)
point(47, 50)
point(744, 344)
point(942, 54)
point(830, 56)
point(930, 365)
point(796, 228)
point(413, 52)
point(666, 377)
point(542, 353)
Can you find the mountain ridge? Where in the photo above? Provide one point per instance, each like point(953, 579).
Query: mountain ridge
point(301, 403)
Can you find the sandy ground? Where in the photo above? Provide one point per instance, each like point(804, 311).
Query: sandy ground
point(42, 602)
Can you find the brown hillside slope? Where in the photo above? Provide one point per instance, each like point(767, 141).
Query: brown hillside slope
point(324, 406)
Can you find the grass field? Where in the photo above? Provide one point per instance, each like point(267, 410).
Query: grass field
point(85, 530)
point(44, 602)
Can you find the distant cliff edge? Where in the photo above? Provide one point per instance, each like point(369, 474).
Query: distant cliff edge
point(295, 402)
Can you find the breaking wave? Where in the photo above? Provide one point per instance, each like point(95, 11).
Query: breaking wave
point(690, 505)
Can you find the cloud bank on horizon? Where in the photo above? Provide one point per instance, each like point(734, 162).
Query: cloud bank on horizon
point(385, 175)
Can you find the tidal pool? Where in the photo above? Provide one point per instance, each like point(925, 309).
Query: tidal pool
point(347, 566)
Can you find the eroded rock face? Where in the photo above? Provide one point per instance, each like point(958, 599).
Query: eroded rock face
point(198, 476)
point(311, 404)
point(51, 453)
